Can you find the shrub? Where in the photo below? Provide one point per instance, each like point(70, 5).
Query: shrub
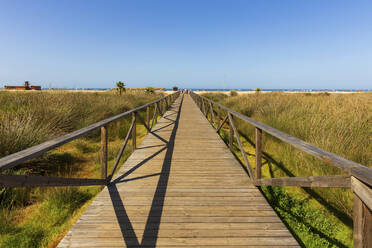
point(233, 93)
point(149, 90)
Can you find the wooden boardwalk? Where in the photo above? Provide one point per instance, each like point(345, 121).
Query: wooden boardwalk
point(182, 187)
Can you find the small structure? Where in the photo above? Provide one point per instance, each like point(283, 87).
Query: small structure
point(25, 87)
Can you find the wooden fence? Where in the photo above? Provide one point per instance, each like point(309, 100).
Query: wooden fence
point(15, 159)
point(358, 178)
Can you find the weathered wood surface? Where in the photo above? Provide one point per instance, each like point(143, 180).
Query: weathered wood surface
point(40, 181)
point(190, 191)
point(338, 181)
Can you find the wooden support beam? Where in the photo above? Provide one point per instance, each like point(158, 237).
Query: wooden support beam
point(258, 152)
point(222, 123)
point(231, 133)
point(218, 117)
point(363, 191)
point(362, 222)
point(134, 132)
point(154, 116)
point(126, 140)
point(212, 114)
point(339, 181)
point(104, 152)
point(148, 116)
point(362, 214)
point(232, 125)
point(45, 181)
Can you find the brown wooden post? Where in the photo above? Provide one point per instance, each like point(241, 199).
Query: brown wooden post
point(104, 152)
point(362, 218)
point(134, 132)
point(218, 116)
point(148, 116)
point(231, 135)
point(204, 111)
point(166, 104)
point(156, 109)
point(258, 152)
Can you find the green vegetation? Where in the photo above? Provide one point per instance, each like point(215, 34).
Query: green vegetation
point(120, 87)
point(150, 90)
point(233, 93)
point(339, 123)
point(39, 217)
point(175, 88)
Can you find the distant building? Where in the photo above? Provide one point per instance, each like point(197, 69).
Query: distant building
point(24, 87)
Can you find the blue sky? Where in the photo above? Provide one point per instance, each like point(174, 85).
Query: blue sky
point(194, 44)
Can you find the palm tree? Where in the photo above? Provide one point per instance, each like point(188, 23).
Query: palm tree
point(120, 86)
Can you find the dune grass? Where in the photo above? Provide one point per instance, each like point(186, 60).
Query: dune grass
point(40, 217)
point(338, 123)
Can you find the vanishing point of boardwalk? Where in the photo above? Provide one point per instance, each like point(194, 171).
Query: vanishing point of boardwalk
point(181, 187)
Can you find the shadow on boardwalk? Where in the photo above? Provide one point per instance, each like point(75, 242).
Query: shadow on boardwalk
point(150, 234)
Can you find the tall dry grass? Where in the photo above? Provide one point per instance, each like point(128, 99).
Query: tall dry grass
point(29, 118)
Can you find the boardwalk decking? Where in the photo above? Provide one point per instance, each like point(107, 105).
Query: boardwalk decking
point(182, 187)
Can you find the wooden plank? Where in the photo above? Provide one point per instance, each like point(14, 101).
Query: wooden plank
point(340, 181)
point(41, 181)
point(176, 241)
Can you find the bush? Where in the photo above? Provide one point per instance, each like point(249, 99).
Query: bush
point(233, 93)
point(149, 90)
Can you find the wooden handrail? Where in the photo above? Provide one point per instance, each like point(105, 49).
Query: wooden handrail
point(19, 157)
point(363, 173)
point(339, 181)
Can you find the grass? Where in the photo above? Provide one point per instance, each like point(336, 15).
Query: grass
point(40, 217)
point(338, 123)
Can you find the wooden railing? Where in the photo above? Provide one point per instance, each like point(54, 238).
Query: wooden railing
point(359, 177)
point(8, 162)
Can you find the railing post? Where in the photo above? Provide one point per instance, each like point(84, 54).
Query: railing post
point(134, 132)
point(166, 104)
point(231, 134)
point(362, 222)
point(156, 109)
point(104, 152)
point(258, 152)
point(218, 116)
point(203, 106)
point(148, 116)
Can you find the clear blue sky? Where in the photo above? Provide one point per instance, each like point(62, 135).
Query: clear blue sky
point(200, 44)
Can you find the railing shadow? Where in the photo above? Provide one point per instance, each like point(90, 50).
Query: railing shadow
point(150, 234)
